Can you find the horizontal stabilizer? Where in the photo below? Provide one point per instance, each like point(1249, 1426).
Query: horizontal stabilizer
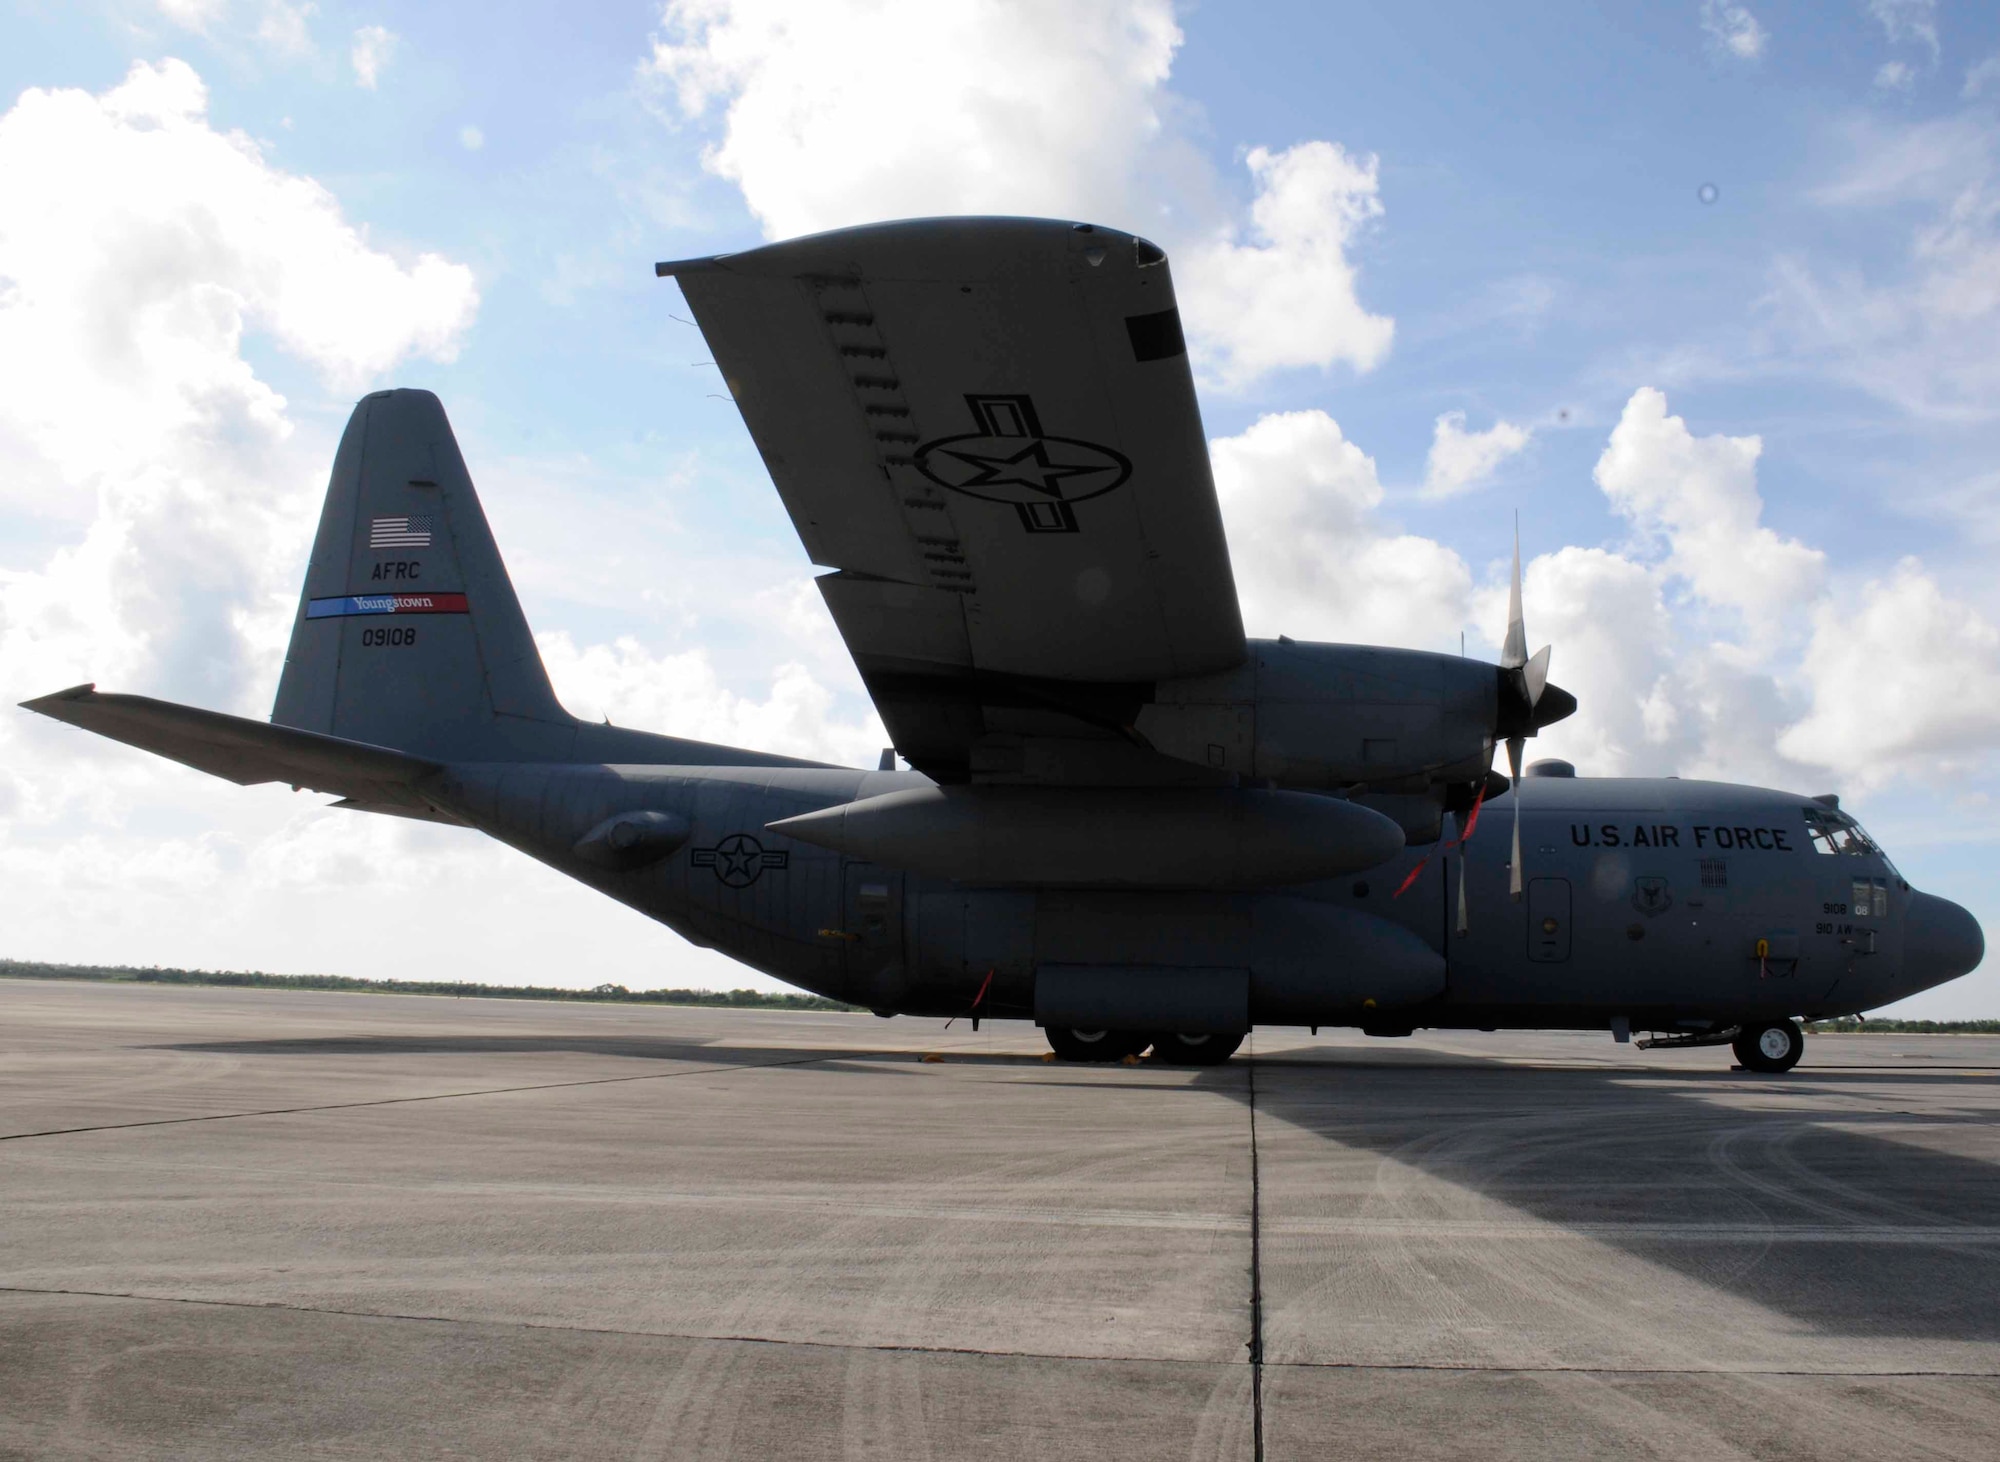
point(248, 752)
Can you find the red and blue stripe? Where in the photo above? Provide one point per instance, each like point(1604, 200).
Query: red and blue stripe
point(386, 604)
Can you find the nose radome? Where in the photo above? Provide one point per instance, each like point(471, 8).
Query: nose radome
point(1941, 941)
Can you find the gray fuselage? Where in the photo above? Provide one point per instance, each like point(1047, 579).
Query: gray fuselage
point(1663, 903)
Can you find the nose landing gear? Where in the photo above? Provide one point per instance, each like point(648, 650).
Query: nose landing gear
point(1770, 1047)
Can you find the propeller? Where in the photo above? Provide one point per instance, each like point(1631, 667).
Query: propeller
point(1529, 679)
point(1526, 702)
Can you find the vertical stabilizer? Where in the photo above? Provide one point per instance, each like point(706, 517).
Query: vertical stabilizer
point(409, 634)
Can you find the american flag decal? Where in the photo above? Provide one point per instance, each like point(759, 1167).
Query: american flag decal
point(399, 532)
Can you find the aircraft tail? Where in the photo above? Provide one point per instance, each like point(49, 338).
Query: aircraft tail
point(409, 651)
point(409, 634)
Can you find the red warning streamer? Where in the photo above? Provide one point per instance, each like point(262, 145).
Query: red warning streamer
point(1471, 822)
point(974, 1006)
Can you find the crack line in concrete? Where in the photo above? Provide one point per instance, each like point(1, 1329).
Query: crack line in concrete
point(284, 1307)
point(1256, 1269)
point(1455, 1367)
point(439, 1096)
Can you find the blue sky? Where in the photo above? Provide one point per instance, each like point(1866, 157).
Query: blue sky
point(1708, 292)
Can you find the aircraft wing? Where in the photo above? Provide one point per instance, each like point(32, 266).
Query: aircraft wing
point(988, 427)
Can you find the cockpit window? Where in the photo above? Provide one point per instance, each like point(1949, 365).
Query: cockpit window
point(1836, 832)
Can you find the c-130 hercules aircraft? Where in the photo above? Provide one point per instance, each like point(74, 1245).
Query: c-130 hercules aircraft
point(1123, 819)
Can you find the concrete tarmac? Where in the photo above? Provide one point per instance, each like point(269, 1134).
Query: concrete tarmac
point(255, 1224)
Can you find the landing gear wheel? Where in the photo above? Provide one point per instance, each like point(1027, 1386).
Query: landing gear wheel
point(1076, 1045)
point(1770, 1047)
point(1195, 1050)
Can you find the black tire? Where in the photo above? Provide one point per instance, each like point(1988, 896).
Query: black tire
point(1770, 1047)
point(1106, 1045)
point(1195, 1050)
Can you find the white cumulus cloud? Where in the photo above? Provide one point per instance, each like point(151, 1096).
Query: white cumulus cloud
point(1613, 643)
point(195, 15)
point(282, 27)
point(1286, 296)
point(140, 245)
point(373, 46)
point(1917, 332)
point(1732, 30)
point(1895, 75)
point(848, 111)
point(1900, 675)
point(142, 248)
point(1725, 649)
point(1700, 495)
point(682, 695)
point(1462, 460)
point(1312, 557)
point(1908, 22)
point(286, 26)
point(1710, 645)
point(853, 111)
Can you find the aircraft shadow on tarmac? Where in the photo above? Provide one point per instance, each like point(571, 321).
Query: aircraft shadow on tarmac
point(644, 1048)
point(1765, 1189)
point(721, 1053)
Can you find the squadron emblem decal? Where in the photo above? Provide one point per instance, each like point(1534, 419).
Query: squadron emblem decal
point(1009, 459)
point(739, 860)
point(1652, 895)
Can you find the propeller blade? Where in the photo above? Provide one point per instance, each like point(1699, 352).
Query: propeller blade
point(1463, 924)
point(1514, 744)
point(1514, 653)
point(1535, 675)
point(1467, 821)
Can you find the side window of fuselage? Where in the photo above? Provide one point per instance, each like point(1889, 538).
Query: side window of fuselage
point(1835, 832)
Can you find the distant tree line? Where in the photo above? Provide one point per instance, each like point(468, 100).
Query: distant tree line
point(21, 969)
point(1874, 1026)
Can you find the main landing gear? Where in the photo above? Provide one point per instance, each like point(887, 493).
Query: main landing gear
point(1076, 1045)
point(1108, 1045)
point(1772, 1047)
point(1195, 1050)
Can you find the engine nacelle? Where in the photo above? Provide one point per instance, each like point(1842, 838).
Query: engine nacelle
point(1310, 715)
point(1105, 837)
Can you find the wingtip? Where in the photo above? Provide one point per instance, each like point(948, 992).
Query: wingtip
point(41, 703)
point(669, 268)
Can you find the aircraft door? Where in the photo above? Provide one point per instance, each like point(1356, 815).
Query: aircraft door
point(1548, 920)
point(872, 917)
